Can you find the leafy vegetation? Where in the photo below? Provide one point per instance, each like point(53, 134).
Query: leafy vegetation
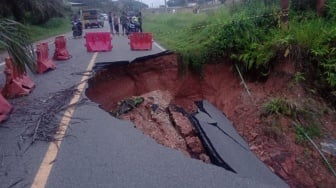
point(298, 77)
point(250, 36)
point(277, 106)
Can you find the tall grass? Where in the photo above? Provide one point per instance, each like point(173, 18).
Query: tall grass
point(174, 31)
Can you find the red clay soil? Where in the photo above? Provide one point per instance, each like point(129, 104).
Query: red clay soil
point(272, 138)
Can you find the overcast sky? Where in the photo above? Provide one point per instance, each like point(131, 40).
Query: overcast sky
point(153, 3)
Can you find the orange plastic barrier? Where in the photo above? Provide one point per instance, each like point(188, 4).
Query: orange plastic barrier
point(18, 83)
point(5, 108)
point(61, 52)
point(44, 63)
point(98, 41)
point(141, 41)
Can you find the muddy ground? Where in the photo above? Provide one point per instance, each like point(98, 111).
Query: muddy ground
point(163, 88)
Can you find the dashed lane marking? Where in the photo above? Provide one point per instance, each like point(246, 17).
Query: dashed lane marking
point(43, 173)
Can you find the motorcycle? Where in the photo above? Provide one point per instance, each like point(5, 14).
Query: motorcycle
point(132, 27)
point(77, 29)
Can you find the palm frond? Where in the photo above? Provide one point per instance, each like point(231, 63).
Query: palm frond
point(15, 38)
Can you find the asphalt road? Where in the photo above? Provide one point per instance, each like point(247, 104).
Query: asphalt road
point(99, 150)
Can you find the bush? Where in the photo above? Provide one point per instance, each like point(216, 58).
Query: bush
point(330, 9)
point(246, 41)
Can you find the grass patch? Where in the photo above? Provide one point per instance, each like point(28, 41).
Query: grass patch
point(177, 32)
point(281, 106)
point(54, 26)
point(276, 106)
point(312, 130)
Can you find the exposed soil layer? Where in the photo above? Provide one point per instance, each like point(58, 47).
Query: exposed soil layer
point(273, 138)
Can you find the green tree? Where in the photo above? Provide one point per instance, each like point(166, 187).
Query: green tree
point(42, 10)
point(36, 11)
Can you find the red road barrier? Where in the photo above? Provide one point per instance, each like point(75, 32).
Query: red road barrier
point(5, 108)
point(98, 41)
point(141, 41)
point(18, 83)
point(61, 52)
point(44, 63)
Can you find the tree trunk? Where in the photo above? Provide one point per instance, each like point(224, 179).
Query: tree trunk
point(320, 7)
point(17, 10)
point(284, 13)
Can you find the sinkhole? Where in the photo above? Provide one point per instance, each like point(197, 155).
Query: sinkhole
point(159, 97)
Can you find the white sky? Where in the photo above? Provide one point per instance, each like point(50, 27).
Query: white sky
point(153, 3)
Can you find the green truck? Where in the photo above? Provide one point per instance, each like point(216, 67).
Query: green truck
point(92, 18)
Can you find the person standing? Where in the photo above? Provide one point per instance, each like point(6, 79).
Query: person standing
point(123, 21)
point(110, 21)
point(140, 21)
point(116, 23)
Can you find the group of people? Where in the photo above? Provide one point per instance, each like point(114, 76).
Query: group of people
point(128, 23)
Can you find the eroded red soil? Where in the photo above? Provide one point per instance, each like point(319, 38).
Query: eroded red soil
point(272, 138)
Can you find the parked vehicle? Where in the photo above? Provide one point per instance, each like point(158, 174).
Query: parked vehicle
point(92, 18)
point(105, 16)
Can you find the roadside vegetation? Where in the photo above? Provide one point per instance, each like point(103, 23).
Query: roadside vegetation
point(52, 27)
point(251, 36)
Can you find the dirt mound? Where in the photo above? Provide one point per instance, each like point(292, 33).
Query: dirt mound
point(272, 137)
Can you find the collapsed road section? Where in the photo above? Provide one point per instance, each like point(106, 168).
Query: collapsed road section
point(159, 98)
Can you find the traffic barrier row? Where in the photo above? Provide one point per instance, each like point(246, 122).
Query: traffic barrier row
point(101, 41)
point(141, 41)
point(98, 41)
point(18, 83)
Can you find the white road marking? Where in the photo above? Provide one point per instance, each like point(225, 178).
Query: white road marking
point(160, 47)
